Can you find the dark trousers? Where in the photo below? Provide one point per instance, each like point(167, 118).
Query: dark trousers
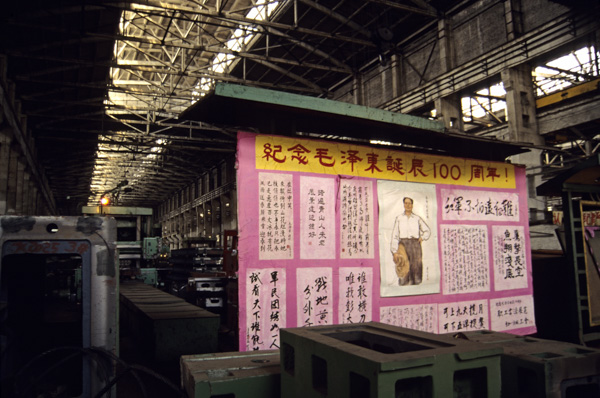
point(414, 253)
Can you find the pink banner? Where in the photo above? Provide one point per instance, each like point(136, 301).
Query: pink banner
point(434, 253)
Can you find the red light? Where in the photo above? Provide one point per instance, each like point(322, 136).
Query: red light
point(104, 201)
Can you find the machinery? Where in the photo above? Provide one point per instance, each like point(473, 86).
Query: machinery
point(58, 305)
point(205, 275)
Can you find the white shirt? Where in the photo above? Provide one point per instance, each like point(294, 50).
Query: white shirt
point(407, 227)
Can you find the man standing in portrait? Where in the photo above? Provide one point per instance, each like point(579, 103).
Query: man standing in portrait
point(408, 233)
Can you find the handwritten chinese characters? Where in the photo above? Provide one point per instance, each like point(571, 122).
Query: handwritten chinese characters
point(356, 295)
point(265, 308)
point(356, 219)
point(321, 157)
point(276, 221)
point(479, 205)
point(465, 258)
point(317, 222)
point(422, 317)
point(463, 316)
point(315, 299)
point(510, 268)
point(512, 313)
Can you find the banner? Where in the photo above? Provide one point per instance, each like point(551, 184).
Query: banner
point(332, 233)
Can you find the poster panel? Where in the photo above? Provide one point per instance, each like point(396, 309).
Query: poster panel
point(317, 218)
point(423, 317)
point(511, 313)
point(464, 316)
point(510, 257)
point(465, 261)
point(315, 302)
point(356, 219)
point(408, 251)
point(265, 308)
point(276, 222)
point(355, 295)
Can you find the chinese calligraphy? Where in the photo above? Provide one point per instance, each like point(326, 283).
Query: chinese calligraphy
point(479, 205)
point(315, 299)
point(509, 257)
point(265, 310)
point(417, 317)
point(465, 258)
point(304, 155)
point(356, 295)
point(356, 215)
point(463, 316)
point(512, 313)
point(317, 224)
point(276, 222)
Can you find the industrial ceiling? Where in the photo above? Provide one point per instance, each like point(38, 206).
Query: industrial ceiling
point(103, 84)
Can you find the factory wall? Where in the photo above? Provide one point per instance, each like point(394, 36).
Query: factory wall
point(463, 36)
point(207, 208)
point(23, 187)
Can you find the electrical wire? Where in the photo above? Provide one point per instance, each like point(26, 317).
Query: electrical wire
point(79, 351)
point(97, 354)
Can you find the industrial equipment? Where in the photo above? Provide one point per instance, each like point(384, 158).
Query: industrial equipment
point(378, 360)
point(205, 275)
point(232, 374)
point(163, 326)
point(58, 292)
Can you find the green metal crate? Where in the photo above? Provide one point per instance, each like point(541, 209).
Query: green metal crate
point(541, 368)
point(377, 360)
point(250, 374)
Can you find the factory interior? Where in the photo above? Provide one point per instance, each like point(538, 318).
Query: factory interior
point(300, 198)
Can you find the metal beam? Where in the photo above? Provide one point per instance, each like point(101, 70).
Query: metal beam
point(294, 76)
point(235, 19)
point(415, 10)
point(338, 17)
point(531, 45)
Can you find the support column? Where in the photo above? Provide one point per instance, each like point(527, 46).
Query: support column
point(523, 127)
point(33, 199)
point(11, 193)
point(358, 90)
point(520, 105)
point(5, 143)
point(19, 186)
point(514, 19)
point(446, 45)
point(26, 183)
point(396, 71)
point(449, 111)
